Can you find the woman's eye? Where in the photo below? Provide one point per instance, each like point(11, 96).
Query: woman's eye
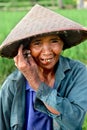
point(36, 43)
point(55, 41)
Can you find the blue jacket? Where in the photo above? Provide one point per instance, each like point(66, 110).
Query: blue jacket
point(69, 97)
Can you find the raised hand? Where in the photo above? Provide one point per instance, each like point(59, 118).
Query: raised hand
point(26, 64)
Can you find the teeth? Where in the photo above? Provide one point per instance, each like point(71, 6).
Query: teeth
point(47, 60)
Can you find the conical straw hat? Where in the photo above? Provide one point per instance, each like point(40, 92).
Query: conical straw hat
point(40, 20)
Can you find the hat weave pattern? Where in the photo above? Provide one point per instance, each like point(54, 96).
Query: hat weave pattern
point(40, 20)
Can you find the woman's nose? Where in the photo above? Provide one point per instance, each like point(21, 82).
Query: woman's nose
point(46, 49)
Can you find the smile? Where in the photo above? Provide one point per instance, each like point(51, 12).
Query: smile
point(47, 61)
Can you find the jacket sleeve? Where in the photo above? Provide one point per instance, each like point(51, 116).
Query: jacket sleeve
point(6, 97)
point(72, 107)
point(12, 102)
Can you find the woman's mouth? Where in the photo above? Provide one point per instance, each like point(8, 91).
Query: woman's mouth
point(46, 61)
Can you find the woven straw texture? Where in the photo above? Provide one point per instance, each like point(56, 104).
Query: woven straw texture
point(40, 20)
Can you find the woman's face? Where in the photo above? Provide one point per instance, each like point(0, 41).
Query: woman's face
point(46, 50)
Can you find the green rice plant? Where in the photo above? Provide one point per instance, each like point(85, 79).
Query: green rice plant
point(78, 52)
point(6, 67)
point(85, 123)
point(7, 21)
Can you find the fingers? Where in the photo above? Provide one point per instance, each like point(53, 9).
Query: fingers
point(20, 52)
point(19, 59)
point(22, 58)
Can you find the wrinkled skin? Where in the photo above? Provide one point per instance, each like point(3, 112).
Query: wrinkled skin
point(38, 65)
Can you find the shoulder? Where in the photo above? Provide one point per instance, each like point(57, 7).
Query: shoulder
point(74, 68)
point(10, 84)
point(74, 64)
point(15, 75)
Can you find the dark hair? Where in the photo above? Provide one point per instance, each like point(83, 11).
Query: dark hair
point(27, 41)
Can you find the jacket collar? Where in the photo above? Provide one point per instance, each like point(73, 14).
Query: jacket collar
point(62, 67)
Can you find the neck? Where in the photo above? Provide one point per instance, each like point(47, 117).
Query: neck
point(47, 76)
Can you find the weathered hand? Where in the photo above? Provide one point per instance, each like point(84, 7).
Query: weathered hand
point(26, 64)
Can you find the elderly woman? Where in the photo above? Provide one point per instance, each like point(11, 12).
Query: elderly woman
point(47, 91)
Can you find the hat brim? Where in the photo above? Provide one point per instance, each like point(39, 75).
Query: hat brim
point(39, 21)
point(69, 37)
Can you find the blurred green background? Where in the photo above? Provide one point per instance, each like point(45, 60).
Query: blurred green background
point(12, 11)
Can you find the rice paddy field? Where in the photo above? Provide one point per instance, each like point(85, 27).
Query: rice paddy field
point(8, 19)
